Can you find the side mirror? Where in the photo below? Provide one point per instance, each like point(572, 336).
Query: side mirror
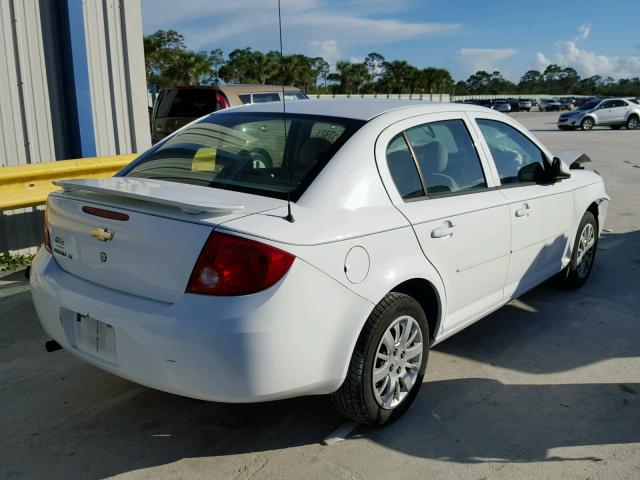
point(556, 173)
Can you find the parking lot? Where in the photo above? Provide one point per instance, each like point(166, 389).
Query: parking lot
point(546, 387)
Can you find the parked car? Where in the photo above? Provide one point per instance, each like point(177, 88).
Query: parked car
point(549, 105)
point(612, 112)
point(190, 272)
point(566, 103)
point(525, 104)
point(501, 106)
point(480, 102)
point(177, 106)
point(582, 100)
point(514, 103)
point(534, 102)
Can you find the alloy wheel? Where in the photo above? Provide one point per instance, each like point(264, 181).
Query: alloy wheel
point(397, 362)
point(586, 245)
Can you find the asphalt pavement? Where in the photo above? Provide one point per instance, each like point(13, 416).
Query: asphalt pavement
point(546, 387)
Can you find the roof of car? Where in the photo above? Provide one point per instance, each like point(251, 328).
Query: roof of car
point(238, 87)
point(356, 108)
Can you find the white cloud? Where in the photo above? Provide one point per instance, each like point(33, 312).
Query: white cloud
point(489, 59)
point(318, 27)
point(540, 62)
point(588, 63)
point(327, 49)
point(583, 32)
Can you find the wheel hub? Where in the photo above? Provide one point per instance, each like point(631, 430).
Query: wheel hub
point(586, 245)
point(397, 362)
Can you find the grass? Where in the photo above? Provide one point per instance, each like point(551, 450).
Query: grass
point(11, 261)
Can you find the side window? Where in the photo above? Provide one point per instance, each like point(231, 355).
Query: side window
point(265, 97)
point(609, 104)
point(619, 103)
point(447, 157)
point(517, 158)
point(245, 98)
point(294, 96)
point(403, 168)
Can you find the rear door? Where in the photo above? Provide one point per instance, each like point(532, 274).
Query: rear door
point(540, 212)
point(436, 177)
point(620, 108)
point(607, 112)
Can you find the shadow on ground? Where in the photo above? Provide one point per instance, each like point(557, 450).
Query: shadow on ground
point(71, 417)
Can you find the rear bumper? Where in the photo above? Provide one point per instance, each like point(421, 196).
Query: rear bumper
point(293, 339)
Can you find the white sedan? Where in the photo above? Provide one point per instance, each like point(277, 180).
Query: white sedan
point(190, 271)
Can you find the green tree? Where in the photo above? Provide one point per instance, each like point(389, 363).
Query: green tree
point(531, 82)
point(321, 69)
point(161, 51)
point(168, 62)
point(395, 77)
point(350, 77)
point(188, 67)
point(374, 62)
point(216, 57)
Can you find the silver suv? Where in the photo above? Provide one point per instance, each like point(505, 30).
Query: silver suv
point(611, 112)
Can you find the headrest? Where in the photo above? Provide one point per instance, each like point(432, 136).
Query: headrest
point(433, 155)
point(311, 150)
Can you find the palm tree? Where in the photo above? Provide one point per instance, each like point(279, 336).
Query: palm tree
point(373, 62)
point(396, 73)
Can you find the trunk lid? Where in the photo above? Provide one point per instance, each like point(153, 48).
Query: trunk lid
point(138, 236)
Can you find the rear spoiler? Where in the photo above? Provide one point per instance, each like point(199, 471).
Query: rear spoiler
point(188, 198)
point(572, 158)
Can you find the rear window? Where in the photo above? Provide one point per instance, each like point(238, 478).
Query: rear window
point(294, 96)
point(247, 152)
point(265, 97)
point(193, 103)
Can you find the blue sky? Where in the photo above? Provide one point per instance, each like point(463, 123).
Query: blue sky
point(594, 37)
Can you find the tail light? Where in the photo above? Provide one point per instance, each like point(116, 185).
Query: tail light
point(230, 265)
point(47, 236)
point(221, 101)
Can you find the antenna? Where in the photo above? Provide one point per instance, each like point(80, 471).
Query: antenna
point(289, 218)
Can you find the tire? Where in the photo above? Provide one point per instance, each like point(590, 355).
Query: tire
point(358, 398)
point(632, 122)
point(615, 127)
point(577, 272)
point(586, 124)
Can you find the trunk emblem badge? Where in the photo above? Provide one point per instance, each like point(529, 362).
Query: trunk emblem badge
point(102, 234)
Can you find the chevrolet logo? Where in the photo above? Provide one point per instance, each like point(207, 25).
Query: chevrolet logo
point(102, 234)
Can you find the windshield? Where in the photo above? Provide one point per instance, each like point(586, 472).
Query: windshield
point(247, 152)
point(589, 105)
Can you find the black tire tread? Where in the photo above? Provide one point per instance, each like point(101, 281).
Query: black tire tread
point(349, 398)
point(568, 278)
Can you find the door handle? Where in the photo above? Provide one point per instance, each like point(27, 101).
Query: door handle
point(524, 211)
point(444, 231)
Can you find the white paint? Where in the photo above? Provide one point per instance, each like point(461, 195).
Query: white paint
point(297, 337)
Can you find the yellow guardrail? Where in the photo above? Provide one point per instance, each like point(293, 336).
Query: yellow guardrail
point(29, 185)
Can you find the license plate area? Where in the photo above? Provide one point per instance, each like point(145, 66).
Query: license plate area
point(95, 338)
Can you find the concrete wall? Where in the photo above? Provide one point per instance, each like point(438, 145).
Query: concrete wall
point(73, 85)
